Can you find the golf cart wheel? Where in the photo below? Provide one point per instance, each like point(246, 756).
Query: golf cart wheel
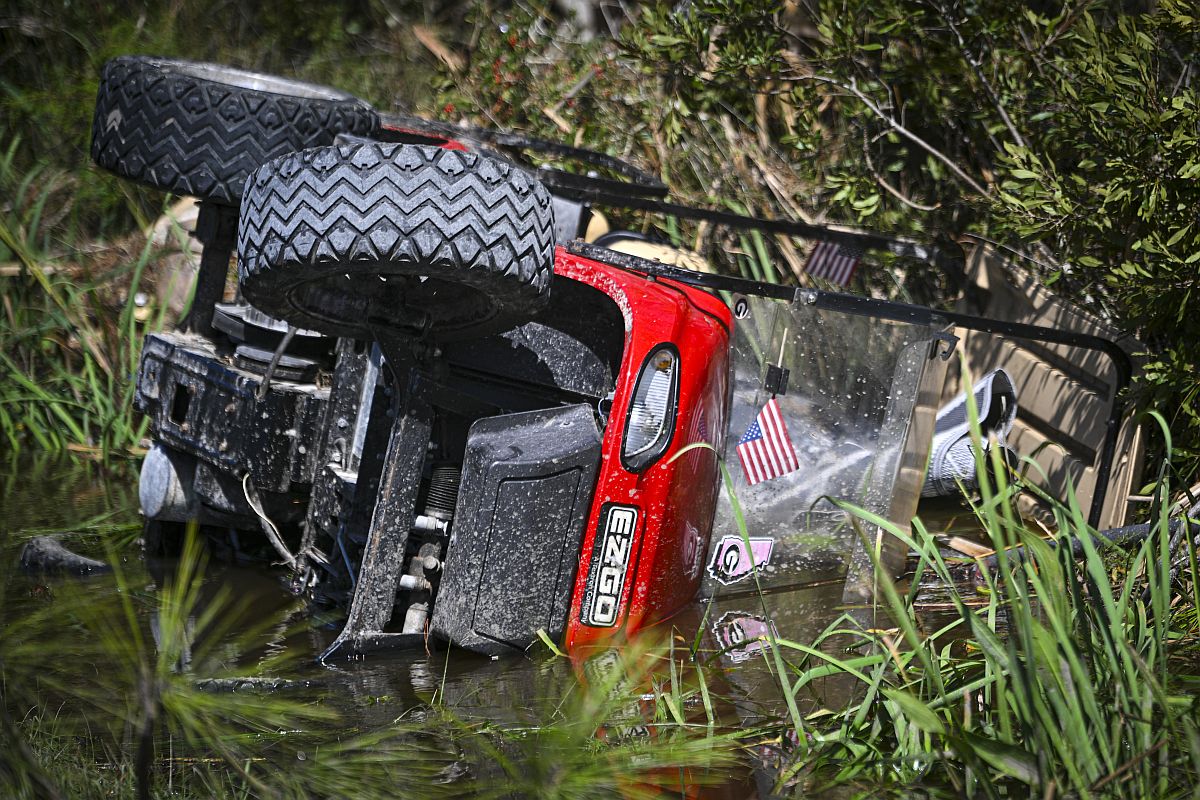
point(199, 129)
point(368, 238)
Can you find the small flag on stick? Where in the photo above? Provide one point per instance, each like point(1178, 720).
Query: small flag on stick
point(766, 450)
point(834, 262)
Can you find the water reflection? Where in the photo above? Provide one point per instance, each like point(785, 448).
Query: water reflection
point(733, 634)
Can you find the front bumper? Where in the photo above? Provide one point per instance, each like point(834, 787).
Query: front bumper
point(198, 403)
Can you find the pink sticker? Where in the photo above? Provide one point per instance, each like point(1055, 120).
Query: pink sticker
point(741, 635)
point(731, 562)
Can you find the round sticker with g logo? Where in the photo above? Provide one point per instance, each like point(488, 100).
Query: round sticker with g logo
point(741, 306)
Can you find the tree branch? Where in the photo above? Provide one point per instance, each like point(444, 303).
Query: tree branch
point(892, 190)
point(977, 68)
point(874, 108)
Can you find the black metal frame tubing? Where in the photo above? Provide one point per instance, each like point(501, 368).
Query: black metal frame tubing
point(586, 188)
point(216, 230)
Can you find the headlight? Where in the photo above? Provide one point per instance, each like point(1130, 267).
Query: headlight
point(651, 419)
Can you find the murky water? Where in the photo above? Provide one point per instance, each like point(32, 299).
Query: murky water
point(88, 503)
point(372, 692)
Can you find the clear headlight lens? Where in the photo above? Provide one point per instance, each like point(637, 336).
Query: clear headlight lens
point(651, 419)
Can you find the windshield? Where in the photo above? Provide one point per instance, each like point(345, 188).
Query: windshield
point(825, 404)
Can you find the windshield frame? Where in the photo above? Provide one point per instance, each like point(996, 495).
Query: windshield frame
point(901, 312)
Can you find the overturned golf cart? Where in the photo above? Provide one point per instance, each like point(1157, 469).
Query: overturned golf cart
point(456, 405)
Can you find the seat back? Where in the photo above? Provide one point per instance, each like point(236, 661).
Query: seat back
point(1064, 393)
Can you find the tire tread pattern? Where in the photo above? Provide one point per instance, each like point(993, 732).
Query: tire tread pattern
point(370, 208)
point(185, 134)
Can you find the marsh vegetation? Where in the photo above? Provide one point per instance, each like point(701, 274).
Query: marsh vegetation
point(1050, 677)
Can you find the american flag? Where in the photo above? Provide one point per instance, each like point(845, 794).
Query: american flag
point(765, 449)
point(833, 262)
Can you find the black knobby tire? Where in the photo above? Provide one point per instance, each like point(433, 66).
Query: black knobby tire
point(366, 238)
point(200, 129)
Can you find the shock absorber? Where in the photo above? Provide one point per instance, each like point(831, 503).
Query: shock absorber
point(443, 491)
point(431, 529)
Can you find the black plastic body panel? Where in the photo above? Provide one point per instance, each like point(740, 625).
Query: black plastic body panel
point(527, 485)
point(201, 405)
point(574, 345)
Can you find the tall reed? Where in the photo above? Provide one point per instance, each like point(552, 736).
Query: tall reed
point(113, 688)
point(67, 356)
point(1059, 685)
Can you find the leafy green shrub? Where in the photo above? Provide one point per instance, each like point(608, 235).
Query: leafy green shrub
point(1072, 126)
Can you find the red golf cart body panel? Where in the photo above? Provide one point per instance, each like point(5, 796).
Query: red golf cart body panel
point(674, 497)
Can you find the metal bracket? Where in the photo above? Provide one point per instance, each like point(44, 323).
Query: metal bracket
point(944, 345)
point(392, 519)
point(216, 229)
point(777, 379)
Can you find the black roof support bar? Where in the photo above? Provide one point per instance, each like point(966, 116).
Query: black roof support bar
point(948, 258)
